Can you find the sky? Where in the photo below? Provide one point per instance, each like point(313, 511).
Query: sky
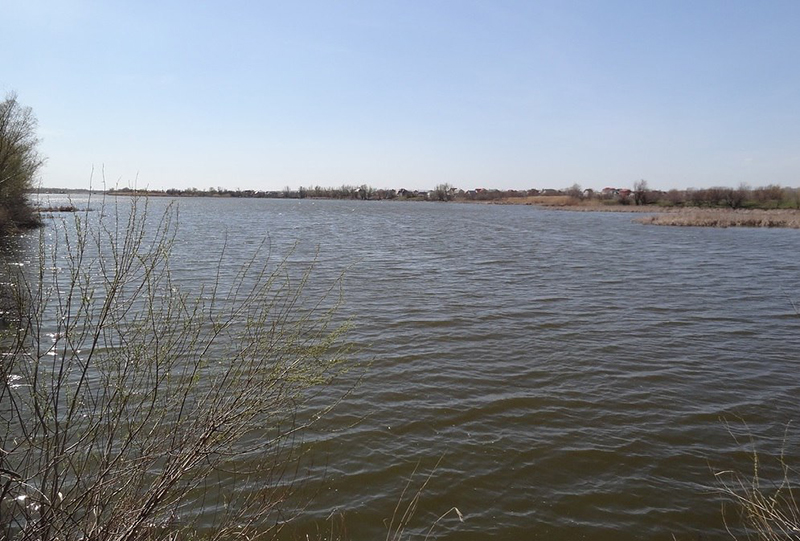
point(505, 94)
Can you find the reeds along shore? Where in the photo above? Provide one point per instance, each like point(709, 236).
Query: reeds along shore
point(725, 218)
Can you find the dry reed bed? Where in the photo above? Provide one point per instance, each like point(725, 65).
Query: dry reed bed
point(61, 208)
point(726, 218)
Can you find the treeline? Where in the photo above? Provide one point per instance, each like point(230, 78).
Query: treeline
point(766, 197)
point(772, 196)
point(19, 164)
point(442, 192)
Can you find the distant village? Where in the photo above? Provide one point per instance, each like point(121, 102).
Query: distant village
point(442, 192)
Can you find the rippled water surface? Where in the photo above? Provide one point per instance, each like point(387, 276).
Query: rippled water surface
point(573, 371)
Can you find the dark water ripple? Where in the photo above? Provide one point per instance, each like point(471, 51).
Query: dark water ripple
point(574, 370)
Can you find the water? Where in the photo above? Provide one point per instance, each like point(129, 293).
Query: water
point(574, 372)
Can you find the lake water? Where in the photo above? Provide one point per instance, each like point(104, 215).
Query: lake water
point(574, 372)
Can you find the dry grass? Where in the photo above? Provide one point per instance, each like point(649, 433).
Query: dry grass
point(399, 526)
point(726, 218)
point(407, 506)
point(763, 503)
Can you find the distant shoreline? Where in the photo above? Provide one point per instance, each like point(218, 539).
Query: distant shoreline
point(658, 214)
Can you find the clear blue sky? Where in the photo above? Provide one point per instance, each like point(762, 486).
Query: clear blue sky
point(493, 93)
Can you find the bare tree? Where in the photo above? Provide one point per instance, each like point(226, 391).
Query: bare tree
point(768, 196)
point(443, 192)
point(640, 190)
point(575, 191)
point(735, 198)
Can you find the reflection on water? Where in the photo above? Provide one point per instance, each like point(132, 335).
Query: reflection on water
point(14, 257)
point(574, 370)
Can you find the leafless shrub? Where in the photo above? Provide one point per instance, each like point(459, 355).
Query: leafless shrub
point(123, 399)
